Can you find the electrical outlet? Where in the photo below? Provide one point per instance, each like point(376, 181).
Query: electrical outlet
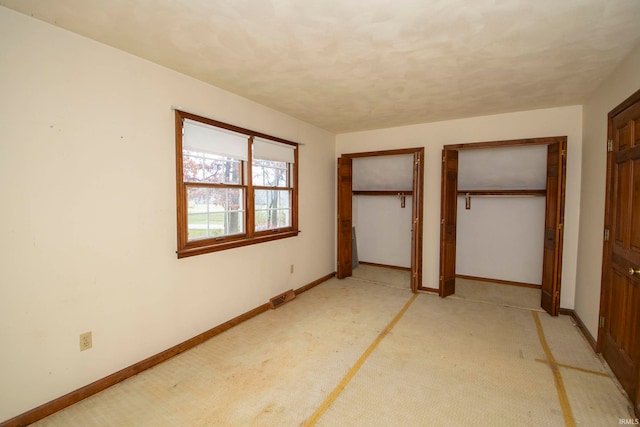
point(85, 341)
point(291, 269)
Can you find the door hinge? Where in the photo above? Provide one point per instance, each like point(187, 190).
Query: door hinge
point(442, 221)
point(606, 234)
point(610, 145)
point(602, 321)
point(563, 153)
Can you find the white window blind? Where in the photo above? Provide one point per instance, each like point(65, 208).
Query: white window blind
point(265, 149)
point(203, 138)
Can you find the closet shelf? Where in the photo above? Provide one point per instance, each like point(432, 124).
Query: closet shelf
point(498, 193)
point(382, 192)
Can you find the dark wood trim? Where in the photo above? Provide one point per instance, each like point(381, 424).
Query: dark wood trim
point(233, 128)
point(345, 211)
point(212, 185)
point(383, 152)
point(199, 250)
point(395, 267)
point(606, 245)
point(448, 222)
point(433, 290)
point(417, 214)
point(186, 248)
point(382, 192)
point(315, 283)
point(625, 104)
point(502, 192)
point(447, 205)
point(181, 203)
point(344, 220)
point(249, 200)
point(581, 326)
point(106, 382)
point(498, 281)
point(609, 195)
point(295, 182)
point(505, 143)
point(76, 396)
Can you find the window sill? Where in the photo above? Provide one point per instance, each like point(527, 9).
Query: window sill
point(220, 246)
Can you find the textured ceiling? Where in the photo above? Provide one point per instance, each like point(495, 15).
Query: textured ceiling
point(347, 65)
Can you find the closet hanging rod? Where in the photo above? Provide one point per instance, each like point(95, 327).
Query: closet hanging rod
point(382, 192)
point(502, 193)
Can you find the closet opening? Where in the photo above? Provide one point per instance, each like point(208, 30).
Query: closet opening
point(502, 217)
point(380, 213)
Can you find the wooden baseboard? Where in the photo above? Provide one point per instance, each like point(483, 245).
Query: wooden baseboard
point(395, 267)
point(581, 326)
point(314, 283)
point(424, 288)
point(76, 396)
point(501, 282)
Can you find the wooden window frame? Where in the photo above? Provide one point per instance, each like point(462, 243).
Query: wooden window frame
point(188, 248)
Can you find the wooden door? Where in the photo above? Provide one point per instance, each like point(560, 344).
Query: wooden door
point(619, 333)
point(416, 223)
point(448, 219)
point(344, 249)
point(553, 225)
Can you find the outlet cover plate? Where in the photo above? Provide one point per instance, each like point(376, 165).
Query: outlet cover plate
point(85, 341)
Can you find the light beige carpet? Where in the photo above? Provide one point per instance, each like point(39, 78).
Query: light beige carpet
point(446, 362)
point(396, 278)
point(500, 294)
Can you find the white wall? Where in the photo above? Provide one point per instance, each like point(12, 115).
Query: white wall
point(501, 238)
point(88, 221)
point(621, 84)
point(383, 229)
point(527, 124)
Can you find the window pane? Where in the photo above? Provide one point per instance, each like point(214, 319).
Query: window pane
point(214, 212)
point(267, 173)
point(273, 209)
point(210, 168)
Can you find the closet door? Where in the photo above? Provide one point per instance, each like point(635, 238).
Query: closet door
point(554, 219)
point(345, 222)
point(448, 218)
point(416, 223)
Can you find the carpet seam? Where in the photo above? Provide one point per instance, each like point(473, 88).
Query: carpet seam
point(575, 368)
point(313, 419)
point(569, 420)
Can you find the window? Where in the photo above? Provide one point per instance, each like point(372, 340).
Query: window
point(235, 187)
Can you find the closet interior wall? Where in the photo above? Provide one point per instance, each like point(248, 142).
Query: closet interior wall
point(500, 236)
point(382, 185)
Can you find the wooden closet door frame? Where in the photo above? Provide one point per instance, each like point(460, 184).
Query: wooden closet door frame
point(553, 220)
point(344, 248)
